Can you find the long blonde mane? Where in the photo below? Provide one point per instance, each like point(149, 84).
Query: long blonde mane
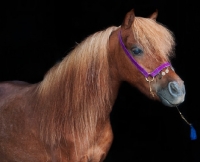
point(75, 92)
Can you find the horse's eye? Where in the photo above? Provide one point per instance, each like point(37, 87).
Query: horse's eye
point(136, 50)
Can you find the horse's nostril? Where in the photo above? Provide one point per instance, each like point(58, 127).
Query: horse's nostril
point(174, 89)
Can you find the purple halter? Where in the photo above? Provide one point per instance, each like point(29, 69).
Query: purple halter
point(141, 69)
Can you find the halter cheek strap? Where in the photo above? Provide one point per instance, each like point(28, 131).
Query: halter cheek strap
point(140, 68)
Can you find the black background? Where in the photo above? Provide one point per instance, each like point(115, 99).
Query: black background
point(35, 34)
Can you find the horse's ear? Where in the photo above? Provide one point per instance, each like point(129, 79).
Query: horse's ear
point(154, 15)
point(128, 20)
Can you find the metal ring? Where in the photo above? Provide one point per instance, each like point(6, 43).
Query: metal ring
point(149, 80)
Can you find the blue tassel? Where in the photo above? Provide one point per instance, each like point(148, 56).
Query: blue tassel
point(193, 135)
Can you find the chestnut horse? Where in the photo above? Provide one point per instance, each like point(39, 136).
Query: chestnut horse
point(65, 117)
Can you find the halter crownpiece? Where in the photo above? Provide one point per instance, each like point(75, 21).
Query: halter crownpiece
point(140, 68)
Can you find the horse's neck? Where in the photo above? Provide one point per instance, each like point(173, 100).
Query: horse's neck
point(115, 84)
point(114, 59)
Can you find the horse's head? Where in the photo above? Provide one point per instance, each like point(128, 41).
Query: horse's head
point(147, 46)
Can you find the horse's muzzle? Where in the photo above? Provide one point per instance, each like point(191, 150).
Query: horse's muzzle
point(173, 94)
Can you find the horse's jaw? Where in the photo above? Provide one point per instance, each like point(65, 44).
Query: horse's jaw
point(172, 95)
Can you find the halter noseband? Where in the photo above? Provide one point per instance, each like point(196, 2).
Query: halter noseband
point(140, 68)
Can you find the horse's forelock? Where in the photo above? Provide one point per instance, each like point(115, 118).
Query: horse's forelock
point(154, 37)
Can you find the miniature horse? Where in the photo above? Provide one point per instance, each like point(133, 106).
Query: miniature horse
point(65, 117)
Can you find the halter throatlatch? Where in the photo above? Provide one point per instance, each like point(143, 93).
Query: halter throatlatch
point(149, 76)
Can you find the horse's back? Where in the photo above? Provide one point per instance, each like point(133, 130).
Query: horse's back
point(11, 86)
point(10, 90)
point(17, 130)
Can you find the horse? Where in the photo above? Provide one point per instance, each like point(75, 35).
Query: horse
point(66, 116)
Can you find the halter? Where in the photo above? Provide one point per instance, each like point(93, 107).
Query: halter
point(193, 135)
point(141, 69)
